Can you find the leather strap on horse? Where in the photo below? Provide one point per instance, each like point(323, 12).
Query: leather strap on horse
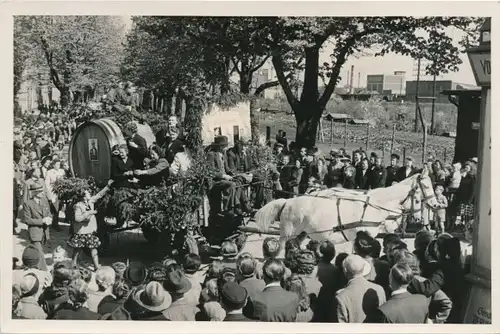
point(341, 227)
point(364, 208)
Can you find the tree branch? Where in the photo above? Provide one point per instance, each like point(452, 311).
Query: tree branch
point(48, 56)
point(265, 86)
point(278, 66)
point(235, 63)
point(260, 64)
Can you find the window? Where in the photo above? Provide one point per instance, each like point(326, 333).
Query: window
point(236, 133)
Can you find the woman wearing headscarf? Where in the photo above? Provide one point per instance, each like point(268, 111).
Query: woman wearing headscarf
point(156, 169)
point(466, 194)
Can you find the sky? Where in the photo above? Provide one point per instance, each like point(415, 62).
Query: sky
point(389, 63)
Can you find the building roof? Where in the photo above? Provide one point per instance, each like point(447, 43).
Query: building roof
point(461, 91)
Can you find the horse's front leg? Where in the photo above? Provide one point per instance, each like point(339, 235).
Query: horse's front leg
point(283, 240)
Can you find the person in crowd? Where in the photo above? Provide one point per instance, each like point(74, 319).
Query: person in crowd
point(379, 274)
point(466, 194)
point(177, 285)
point(321, 170)
point(36, 213)
point(213, 311)
point(357, 157)
point(270, 250)
point(17, 206)
point(295, 178)
point(278, 154)
point(152, 301)
point(182, 160)
point(348, 173)
point(191, 265)
point(122, 168)
point(104, 278)
point(46, 163)
point(16, 298)
point(223, 186)
point(119, 313)
point(403, 307)
point(246, 276)
point(363, 176)
point(273, 304)
point(309, 168)
point(333, 177)
point(296, 284)
point(136, 274)
point(282, 139)
point(285, 175)
point(137, 145)
point(407, 170)
point(440, 211)
point(388, 238)
point(85, 225)
point(233, 298)
point(438, 176)
point(170, 138)
point(52, 176)
point(422, 239)
point(307, 270)
point(28, 304)
point(156, 170)
point(119, 268)
point(378, 173)
point(360, 298)
point(439, 303)
point(76, 309)
point(31, 265)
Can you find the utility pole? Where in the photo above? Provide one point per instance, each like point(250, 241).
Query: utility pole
point(359, 80)
point(433, 103)
point(352, 80)
point(415, 128)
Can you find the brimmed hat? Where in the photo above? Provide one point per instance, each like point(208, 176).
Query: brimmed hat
point(233, 295)
point(136, 273)
point(345, 158)
point(311, 152)
point(475, 160)
point(396, 156)
point(279, 145)
point(36, 187)
point(31, 256)
point(177, 282)
point(229, 249)
point(119, 314)
point(29, 285)
point(220, 141)
point(153, 297)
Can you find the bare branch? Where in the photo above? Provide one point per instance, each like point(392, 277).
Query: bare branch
point(235, 63)
point(278, 66)
point(260, 64)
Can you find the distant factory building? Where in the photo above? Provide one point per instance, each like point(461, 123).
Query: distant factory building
point(386, 84)
point(425, 89)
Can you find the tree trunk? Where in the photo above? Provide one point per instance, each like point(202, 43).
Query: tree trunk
point(146, 100)
point(178, 104)
point(193, 117)
point(307, 117)
point(254, 120)
point(65, 96)
point(169, 103)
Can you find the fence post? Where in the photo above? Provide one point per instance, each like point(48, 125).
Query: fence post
point(345, 133)
point(331, 131)
point(393, 137)
point(367, 136)
point(404, 154)
point(445, 155)
point(268, 135)
point(424, 145)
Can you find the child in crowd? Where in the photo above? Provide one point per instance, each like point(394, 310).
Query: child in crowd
point(59, 254)
point(440, 211)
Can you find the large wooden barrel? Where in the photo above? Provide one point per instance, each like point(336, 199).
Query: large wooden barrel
point(90, 148)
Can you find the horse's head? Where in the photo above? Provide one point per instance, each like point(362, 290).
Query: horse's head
point(421, 192)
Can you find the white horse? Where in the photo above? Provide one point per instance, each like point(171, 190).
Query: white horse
point(337, 214)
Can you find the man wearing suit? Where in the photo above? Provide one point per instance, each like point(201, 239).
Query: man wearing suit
point(392, 170)
point(37, 217)
point(223, 186)
point(378, 174)
point(407, 170)
point(138, 148)
point(360, 298)
point(170, 139)
point(403, 307)
point(122, 168)
point(273, 304)
point(363, 176)
point(233, 297)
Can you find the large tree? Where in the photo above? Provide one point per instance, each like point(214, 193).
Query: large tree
point(307, 37)
point(80, 53)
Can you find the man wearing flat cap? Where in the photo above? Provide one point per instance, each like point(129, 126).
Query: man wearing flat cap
point(310, 169)
point(333, 177)
point(37, 217)
point(223, 187)
point(392, 170)
point(137, 145)
point(233, 298)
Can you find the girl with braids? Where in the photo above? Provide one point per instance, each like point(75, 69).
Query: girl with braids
point(85, 225)
point(76, 309)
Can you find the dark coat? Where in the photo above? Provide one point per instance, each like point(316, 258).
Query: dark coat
point(156, 172)
point(238, 163)
point(391, 175)
point(274, 304)
point(139, 153)
point(404, 308)
point(118, 168)
point(253, 286)
point(33, 214)
point(108, 304)
point(236, 317)
point(363, 181)
point(467, 190)
point(81, 313)
point(401, 173)
point(378, 176)
point(220, 166)
point(171, 148)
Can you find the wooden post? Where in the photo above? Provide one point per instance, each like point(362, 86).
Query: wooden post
point(331, 131)
point(345, 133)
point(393, 137)
point(367, 136)
point(268, 135)
point(404, 154)
point(445, 155)
point(424, 145)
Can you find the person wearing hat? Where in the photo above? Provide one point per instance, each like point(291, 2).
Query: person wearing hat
point(362, 179)
point(223, 188)
point(118, 314)
point(408, 170)
point(310, 168)
point(360, 298)
point(152, 301)
point(306, 268)
point(36, 213)
point(171, 138)
point(76, 309)
point(31, 265)
point(122, 168)
point(178, 285)
point(348, 173)
point(391, 170)
point(28, 305)
point(233, 298)
point(378, 173)
point(136, 274)
point(56, 295)
point(333, 177)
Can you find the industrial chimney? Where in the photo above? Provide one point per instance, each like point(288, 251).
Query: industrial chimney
point(352, 80)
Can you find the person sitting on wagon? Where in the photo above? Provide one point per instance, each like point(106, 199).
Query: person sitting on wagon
point(223, 186)
point(122, 167)
point(157, 168)
point(138, 148)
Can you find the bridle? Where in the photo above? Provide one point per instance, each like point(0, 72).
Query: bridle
point(411, 195)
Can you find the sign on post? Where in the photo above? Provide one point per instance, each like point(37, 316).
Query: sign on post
point(481, 66)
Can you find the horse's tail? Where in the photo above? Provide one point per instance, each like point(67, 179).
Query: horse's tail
point(269, 213)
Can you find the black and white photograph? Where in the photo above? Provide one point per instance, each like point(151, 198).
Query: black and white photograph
point(296, 169)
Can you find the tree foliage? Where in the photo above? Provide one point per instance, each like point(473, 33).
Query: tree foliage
point(79, 53)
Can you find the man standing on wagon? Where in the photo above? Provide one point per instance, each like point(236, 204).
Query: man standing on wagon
point(223, 188)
